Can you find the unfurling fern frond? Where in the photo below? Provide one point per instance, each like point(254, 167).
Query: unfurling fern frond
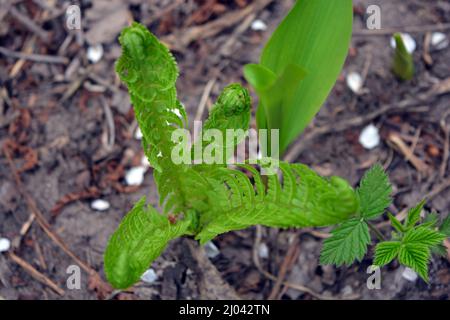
point(302, 199)
point(141, 237)
point(206, 200)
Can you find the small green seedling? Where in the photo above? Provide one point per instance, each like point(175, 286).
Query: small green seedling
point(403, 63)
point(299, 65)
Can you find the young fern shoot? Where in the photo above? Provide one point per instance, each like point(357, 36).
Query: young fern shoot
point(206, 200)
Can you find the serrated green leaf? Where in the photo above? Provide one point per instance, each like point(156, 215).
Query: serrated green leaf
point(385, 252)
point(416, 256)
point(445, 226)
point(315, 36)
point(141, 237)
point(423, 235)
point(395, 223)
point(414, 214)
point(374, 192)
point(348, 243)
point(431, 220)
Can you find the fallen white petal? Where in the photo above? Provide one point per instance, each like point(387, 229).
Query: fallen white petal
point(258, 25)
point(138, 134)
point(369, 137)
point(263, 251)
point(149, 276)
point(135, 176)
point(177, 112)
point(144, 162)
point(408, 40)
point(439, 40)
point(5, 244)
point(100, 205)
point(211, 250)
point(354, 81)
point(409, 274)
point(95, 53)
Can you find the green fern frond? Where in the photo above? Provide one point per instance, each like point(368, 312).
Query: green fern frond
point(302, 199)
point(141, 237)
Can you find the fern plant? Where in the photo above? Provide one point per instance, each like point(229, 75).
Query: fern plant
point(205, 200)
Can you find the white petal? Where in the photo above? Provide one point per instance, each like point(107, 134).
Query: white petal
point(144, 162)
point(354, 81)
point(135, 176)
point(138, 134)
point(263, 251)
point(408, 40)
point(258, 25)
point(439, 40)
point(211, 250)
point(149, 276)
point(177, 112)
point(5, 244)
point(95, 53)
point(100, 205)
point(409, 274)
point(369, 137)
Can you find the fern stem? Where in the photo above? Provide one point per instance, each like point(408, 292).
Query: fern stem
point(376, 231)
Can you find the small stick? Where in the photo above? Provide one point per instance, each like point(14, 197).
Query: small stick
point(204, 99)
point(445, 154)
point(33, 56)
point(110, 121)
point(289, 259)
point(270, 276)
point(36, 274)
point(29, 24)
point(420, 165)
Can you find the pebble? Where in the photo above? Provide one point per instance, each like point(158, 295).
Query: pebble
point(354, 81)
point(211, 250)
point(409, 274)
point(5, 244)
point(258, 25)
point(408, 40)
point(439, 40)
point(369, 137)
point(135, 176)
point(95, 53)
point(149, 276)
point(100, 205)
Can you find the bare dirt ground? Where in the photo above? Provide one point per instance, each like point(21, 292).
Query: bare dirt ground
point(67, 138)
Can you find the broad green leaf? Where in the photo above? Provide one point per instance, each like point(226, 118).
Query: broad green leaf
point(314, 36)
point(385, 252)
point(348, 243)
point(275, 92)
point(141, 237)
point(374, 192)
